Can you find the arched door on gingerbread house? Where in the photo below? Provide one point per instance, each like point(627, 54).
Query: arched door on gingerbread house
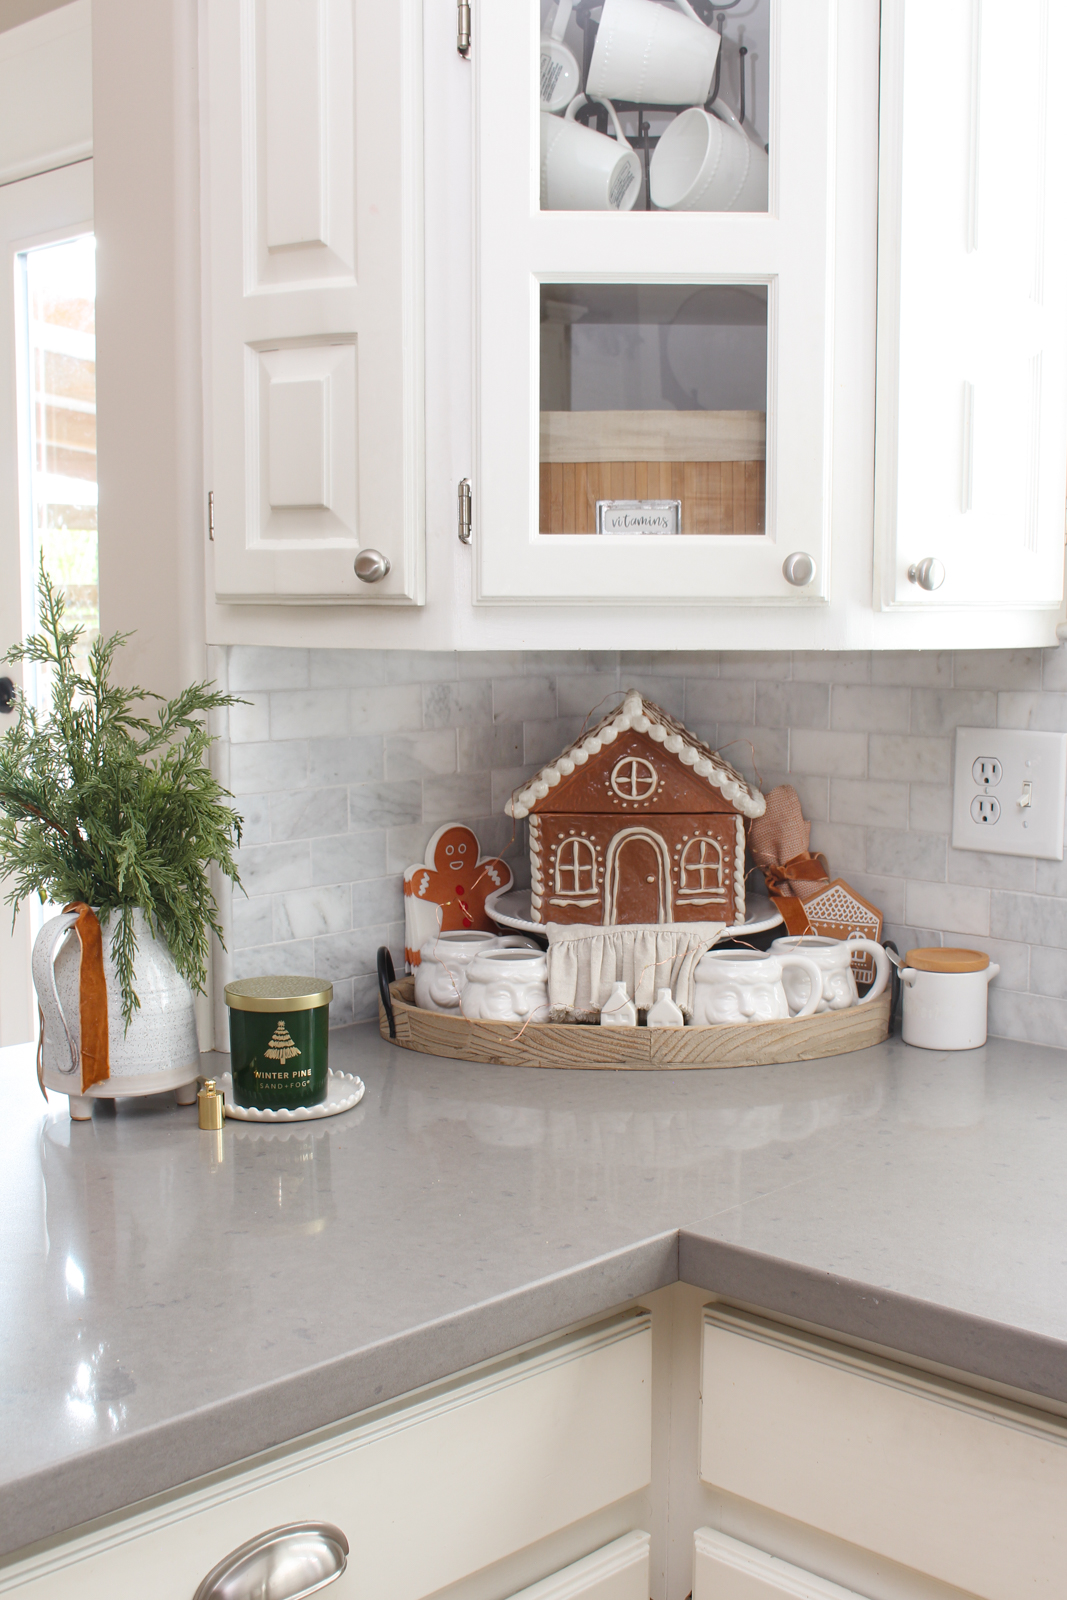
point(638, 873)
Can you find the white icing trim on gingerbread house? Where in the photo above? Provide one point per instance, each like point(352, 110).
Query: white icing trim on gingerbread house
point(645, 718)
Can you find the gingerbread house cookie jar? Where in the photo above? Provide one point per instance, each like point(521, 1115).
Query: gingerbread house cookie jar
point(639, 822)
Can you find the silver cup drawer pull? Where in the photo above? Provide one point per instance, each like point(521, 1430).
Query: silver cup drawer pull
point(283, 1564)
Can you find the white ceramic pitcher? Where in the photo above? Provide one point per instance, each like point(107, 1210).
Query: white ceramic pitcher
point(158, 1052)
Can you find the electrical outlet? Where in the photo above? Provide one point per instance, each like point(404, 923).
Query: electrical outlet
point(1028, 772)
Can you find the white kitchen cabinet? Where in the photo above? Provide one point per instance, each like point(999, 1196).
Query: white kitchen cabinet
point(635, 352)
point(312, 177)
point(728, 1569)
point(618, 1571)
point(722, 362)
point(959, 1485)
point(971, 425)
point(427, 1490)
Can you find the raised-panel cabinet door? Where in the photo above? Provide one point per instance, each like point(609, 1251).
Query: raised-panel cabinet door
point(727, 1569)
point(312, 123)
point(617, 1571)
point(654, 186)
point(972, 306)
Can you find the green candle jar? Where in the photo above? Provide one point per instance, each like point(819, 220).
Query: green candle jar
point(279, 1033)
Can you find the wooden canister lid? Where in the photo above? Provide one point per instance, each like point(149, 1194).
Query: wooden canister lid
point(934, 960)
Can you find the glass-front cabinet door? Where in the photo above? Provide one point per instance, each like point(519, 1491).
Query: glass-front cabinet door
point(654, 216)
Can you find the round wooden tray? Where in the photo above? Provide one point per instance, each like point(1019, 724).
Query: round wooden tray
point(543, 1044)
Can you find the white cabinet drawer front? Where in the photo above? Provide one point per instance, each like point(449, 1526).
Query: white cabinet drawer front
point(958, 1485)
point(726, 1569)
point(426, 1494)
point(617, 1571)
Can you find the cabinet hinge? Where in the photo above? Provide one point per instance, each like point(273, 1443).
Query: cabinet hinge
point(463, 36)
point(211, 515)
point(464, 511)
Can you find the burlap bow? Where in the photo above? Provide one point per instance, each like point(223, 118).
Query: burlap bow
point(779, 842)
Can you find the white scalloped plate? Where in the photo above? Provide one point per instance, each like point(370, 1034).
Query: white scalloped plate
point(511, 907)
point(343, 1091)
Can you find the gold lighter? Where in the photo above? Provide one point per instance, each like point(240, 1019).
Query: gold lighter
point(210, 1106)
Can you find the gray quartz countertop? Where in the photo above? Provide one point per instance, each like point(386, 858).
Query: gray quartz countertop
point(172, 1301)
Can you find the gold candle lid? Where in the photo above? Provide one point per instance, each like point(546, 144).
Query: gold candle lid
point(210, 1106)
point(278, 994)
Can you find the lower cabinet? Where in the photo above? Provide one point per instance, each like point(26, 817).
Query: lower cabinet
point(426, 1492)
point(951, 1482)
point(618, 1571)
point(727, 1569)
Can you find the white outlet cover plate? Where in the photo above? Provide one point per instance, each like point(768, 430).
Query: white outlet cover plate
point(1039, 759)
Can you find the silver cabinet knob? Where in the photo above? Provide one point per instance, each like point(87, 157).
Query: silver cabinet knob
point(798, 569)
point(927, 573)
point(371, 566)
point(285, 1564)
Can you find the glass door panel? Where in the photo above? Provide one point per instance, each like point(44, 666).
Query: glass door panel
point(653, 416)
point(57, 284)
point(654, 105)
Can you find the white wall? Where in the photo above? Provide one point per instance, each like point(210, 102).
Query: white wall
point(46, 105)
point(148, 376)
point(345, 761)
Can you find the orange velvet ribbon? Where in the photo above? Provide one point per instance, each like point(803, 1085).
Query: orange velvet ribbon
point(92, 997)
point(803, 868)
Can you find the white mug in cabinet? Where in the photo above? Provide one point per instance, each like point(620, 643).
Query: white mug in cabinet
point(506, 986)
point(706, 161)
point(561, 76)
point(583, 170)
point(946, 998)
point(834, 958)
point(746, 986)
point(651, 54)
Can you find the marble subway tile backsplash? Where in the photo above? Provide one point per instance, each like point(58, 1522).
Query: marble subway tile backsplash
point(344, 763)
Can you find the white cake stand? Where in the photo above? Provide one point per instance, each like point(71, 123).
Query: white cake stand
point(511, 909)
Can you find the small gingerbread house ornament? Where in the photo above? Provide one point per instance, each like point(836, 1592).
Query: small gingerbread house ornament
point(637, 823)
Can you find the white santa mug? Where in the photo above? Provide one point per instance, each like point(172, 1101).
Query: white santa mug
point(833, 957)
point(706, 162)
point(649, 54)
point(746, 986)
point(506, 986)
point(583, 170)
point(441, 974)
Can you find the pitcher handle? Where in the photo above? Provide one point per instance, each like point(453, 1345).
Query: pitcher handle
point(814, 973)
point(43, 967)
point(881, 967)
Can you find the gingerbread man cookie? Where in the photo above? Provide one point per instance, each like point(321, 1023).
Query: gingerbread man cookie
point(448, 891)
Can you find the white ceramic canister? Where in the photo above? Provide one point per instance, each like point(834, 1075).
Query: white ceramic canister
point(746, 986)
point(506, 985)
point(833, 957)
point(946, 998)
point(158, 1051)
point(443, 961)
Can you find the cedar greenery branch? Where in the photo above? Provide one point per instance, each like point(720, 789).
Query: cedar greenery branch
point(102, 803)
